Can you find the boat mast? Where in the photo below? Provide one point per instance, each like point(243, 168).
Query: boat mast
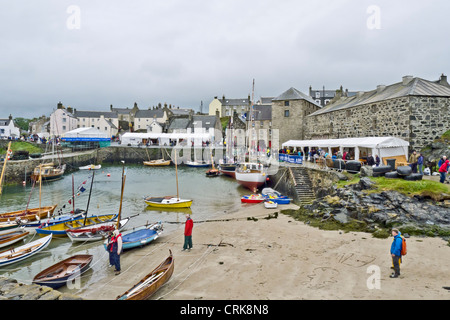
point(4, 166)
point(176, 174)
point(121, 195)
point(89, 199)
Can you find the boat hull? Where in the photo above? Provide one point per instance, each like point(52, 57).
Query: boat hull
point(29, 214)
point(140, 291)
point(91, 167)
point(7, 239)
point(157, 163)
point(68, 269)
point(252, 199)
point(59, 229)
point(23, 252)
point(95, 232)
point(251, 181)
point(168, 203)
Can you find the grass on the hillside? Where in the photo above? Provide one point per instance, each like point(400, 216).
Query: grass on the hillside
point(22, 146)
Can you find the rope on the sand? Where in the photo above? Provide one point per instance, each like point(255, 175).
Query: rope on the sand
point(269, 216)
point(196, 263)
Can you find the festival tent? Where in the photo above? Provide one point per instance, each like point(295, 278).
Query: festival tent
point(164, 138)
point(82, 138)
point(384, 147)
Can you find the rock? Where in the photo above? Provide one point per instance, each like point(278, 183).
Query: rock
point(366, 171)
point(366, 183)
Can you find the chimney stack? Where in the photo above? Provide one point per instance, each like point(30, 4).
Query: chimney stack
point(407, 80)
point(443, 80)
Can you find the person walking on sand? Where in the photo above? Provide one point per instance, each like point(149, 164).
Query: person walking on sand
point(396, 252)
point(188, 233)
point(115, 249)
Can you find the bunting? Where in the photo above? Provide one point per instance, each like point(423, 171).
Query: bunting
point(77, 193)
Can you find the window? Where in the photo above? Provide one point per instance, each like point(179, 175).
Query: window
point(64, 127)
point(317, 94)
point(64, 120)
point(286, 113)
point(286, 103)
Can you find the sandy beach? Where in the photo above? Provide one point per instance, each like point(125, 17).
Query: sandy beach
point(282, 259)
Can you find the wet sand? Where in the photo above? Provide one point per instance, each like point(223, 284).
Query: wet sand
point(282, 259)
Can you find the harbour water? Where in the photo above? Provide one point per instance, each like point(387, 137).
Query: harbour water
point(212, 197)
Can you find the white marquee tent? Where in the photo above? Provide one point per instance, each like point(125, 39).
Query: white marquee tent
point(382, 146)
point(164, 138)
point(85, 133)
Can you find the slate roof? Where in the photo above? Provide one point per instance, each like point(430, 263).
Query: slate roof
point(4, 122)
point(179, 123)
point(415, 87)
point(151, 113)
point(207, 121)
point(262, 112)
point(294, 94)
point(94, 114)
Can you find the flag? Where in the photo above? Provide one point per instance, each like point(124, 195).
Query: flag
point(82, 189)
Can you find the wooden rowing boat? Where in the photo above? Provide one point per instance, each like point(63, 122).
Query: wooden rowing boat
point(142, 237)
point(145, 288)
point(23, 252)
point(157, 163)
point(60, 273)
point(91, 167)
point(6, 227)
point(30, 214)
point(95, 232)
point(12, 237)
point(33, 225)
point(168, 202)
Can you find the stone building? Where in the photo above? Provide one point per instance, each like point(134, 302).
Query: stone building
point(414, 109)
point(105, 121)
point(8, 128)
point(226, 106)
point(62, 120)
point(323, 97)
point(289, 112)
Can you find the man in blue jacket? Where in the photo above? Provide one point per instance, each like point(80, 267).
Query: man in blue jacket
point(396, 252)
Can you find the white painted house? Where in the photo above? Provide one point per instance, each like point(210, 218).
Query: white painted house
point(62, 120)
point(8, 128)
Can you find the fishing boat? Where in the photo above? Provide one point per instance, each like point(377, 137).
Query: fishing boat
point(169, 201)
point(60, 229)
point(33, 225)
point(28, 214)
point(253, 198)
point(251, 175)
point(145, 288)
point(270, 204)
point(228, 169)
point(7, 239)
point(60, 273)
point(141, 237)
point(23, 252)
point(157, 163)
point(91, 167)
point(96, 231)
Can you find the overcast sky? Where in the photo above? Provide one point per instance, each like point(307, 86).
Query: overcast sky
point(91, 54)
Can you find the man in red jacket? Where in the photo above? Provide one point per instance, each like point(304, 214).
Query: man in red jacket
point(188, 233)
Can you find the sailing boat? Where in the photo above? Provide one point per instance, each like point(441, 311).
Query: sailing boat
point(169, 201)
point(100, 230)
point(229, 168)
point(49, 171)
point(29, 214)
point(156, 163)
point(213, 172)
point(251, 175)
point(60, 229)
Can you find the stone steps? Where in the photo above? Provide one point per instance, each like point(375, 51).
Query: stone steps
point(303, 186)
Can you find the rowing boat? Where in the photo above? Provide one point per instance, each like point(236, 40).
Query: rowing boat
point(59, 229)
point(157, 163)
point(12, 237)
point(167, 202)
point(91, 167)
point(6, 227)
point(30, 214)
point(253, 198)
point(95, 232)
point(145, 288)
point(23, 252)
point(142, 237)
point(60, 273)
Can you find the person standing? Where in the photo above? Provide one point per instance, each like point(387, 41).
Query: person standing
point(444, 168)
point(413, 161)
point(377, 160)
point(396, 252)
point(115, 249)
point(370, 160)
point(188, 233)
point(420, 160)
